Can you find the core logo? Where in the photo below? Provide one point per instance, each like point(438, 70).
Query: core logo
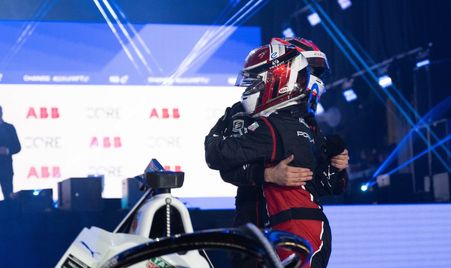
point(103, 113)
point(164, 142)
point(43, 113)
point(44, 142)
point(164, 113)
point(105, 142)
point(173, 168)
point(108, 171)
point(44, 172)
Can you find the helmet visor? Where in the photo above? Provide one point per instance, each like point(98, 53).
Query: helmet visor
point(246, 79)
point(319, 67)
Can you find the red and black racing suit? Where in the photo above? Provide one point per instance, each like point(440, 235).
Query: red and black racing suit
point(241, 158)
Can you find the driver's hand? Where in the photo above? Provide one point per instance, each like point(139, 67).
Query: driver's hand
point(341, 161)
point(285, 175)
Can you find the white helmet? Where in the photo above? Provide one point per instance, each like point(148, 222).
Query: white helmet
point(319, 67)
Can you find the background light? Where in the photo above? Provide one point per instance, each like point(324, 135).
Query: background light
point(385, 81)
point(344, 4)
point(364, 187)
point(288, 32)
point(314, 19)
point(349, 95)
point(423, 63)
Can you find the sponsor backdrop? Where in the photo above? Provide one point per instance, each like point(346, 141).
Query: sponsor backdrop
point(88, 99)
point(114, 131)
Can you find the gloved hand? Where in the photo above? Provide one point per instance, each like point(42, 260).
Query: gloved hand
point(237, 110)
point(221, 125)
point(219, 128)
point(224, 121)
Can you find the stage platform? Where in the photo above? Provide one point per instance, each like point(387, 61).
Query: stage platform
point(363, 235)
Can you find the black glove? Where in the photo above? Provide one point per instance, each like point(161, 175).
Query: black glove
point(225, 121)
point(335, 145)
point(221, 125)
point(331, 181)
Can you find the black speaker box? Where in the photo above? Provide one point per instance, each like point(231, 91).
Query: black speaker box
point(130, 193)
point(80, 194)
point(395, 188)
point(35, 200)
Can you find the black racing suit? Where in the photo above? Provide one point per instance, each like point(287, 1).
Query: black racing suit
point(8, 139)
point(241, 158)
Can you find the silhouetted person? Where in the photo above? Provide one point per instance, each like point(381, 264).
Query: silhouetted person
point(9, 145)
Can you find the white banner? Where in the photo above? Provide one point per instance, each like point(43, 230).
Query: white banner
point(75, 131)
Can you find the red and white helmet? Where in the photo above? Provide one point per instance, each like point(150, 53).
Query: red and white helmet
point(319, 67)
point(275, 76)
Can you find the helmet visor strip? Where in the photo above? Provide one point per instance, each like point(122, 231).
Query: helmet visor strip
point(251, 78)
point(319, 67)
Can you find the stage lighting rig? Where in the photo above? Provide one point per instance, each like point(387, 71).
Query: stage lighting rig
point(288, 32)
point(344, 4)
point(314, 19)
point(349, 95)
point(385, 81)
point(348, 91)
point(422, 63)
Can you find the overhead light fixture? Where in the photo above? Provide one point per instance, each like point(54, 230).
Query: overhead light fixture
point(344, 4)
point(288, 32)
point(314, 19)
point(349, 95)
point(423, 63)
point(385, 81)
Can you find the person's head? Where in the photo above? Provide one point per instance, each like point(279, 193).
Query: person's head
point(275, 76)
point(319, 67)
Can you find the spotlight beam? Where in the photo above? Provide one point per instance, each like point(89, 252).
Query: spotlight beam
point(437, 111)
point(138, 37)
point(372, 181)
point(116, 34)
point(372, 74)
point(440, 143)
point(206, 38)
point(248, 14)
point(27, 30)
point(212, 39)
point(315, 7)
point(127, 36)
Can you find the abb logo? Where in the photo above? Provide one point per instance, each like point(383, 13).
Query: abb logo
point(106, 142)
point(44, 172)
point(43, 113)
point(173, 168)
point(164, 113)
